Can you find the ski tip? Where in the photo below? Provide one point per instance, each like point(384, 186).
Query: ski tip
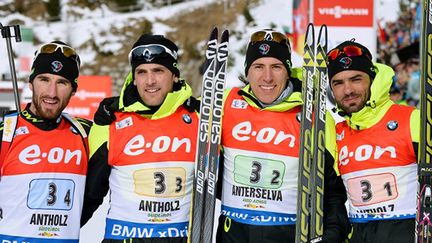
point(214, 33)
point(322, 35)
point(225, 36)
point(310, 35)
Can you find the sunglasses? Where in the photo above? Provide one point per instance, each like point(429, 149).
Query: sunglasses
point(350, 51)
point(149, 52)
point(270, 35)
point(67, 51)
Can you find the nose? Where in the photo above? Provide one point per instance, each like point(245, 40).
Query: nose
point(267, 75)
point(348, 89)
point(151, 79)
point(52, 89)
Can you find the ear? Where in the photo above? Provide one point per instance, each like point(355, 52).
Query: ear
point(176, 79)
point(31, 86)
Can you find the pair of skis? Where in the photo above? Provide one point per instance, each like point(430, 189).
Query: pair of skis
point(424, 201)
point(209, 132)
point(310, 199)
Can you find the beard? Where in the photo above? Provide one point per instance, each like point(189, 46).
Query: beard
point(49, 113)
point(354, 106)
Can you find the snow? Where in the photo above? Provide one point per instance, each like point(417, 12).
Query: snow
point(388, 10)
point(93, 27)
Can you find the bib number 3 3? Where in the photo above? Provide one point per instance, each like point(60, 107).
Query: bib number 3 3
point(160, 182)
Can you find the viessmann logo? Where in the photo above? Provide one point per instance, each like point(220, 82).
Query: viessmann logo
point(338, 11)
point(84, 94)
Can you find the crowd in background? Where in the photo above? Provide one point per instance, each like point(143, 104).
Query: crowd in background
point(398, 46)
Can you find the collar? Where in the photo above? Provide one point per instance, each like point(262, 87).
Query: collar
point(43, 124)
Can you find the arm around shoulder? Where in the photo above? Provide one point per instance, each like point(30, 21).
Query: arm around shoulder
point(98, 172)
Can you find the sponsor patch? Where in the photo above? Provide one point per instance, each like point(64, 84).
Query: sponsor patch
point(339, 137)
point(124, 123)
point(239, 104)
point(56, 66)
point(392, 125)
point(21, 131)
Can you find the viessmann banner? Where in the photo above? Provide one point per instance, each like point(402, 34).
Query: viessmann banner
point(344, 13)
point(91, 90)
point(347, 20)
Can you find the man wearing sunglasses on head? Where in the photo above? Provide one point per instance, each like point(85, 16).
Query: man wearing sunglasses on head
point(377, 147)
point(260, 140)
point(43, 155)
point(146, 157)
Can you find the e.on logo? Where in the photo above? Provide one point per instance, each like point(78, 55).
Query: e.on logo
point(33, 155)
point(137, 145)
point(364, 152)
point(243, 132)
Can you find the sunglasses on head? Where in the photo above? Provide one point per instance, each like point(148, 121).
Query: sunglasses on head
point(67, 51)
point(149, 52)
point(350, 51)
point(269, 35)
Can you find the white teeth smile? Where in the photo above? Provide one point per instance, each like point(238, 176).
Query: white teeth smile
point(50, 101)
point(152, 90)
point(267, 87)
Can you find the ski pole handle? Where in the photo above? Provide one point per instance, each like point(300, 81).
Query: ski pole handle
point(6, 33)
point(17, 33)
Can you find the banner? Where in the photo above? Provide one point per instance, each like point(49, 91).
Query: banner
point(91, 90)
point(344, 13)
point(347, 20)
point(300, 22)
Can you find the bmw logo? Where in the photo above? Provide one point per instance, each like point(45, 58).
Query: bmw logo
point(392, 125)
point(187, 119)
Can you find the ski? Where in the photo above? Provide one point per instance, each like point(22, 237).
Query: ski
point(203, 139)
point(424, 200)
point(317, 167)
point(305, 155)
point(310, 199)
point(215, 131)
point(207, 154)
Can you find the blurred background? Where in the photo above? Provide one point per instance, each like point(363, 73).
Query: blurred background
point(103, 31)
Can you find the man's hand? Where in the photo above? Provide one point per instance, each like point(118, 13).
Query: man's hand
point(105, 112)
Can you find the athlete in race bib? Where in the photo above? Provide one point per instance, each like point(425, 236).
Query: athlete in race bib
point(377, 147)
point(260, 142)
point(146, 157)
point(44, 155)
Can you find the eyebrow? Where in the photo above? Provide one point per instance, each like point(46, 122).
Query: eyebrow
point(356, 76)
point(349, 78)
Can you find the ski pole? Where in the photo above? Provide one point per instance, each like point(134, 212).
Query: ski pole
point(6, 33)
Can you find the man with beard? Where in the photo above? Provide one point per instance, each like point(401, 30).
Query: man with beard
point(43, 155)
point(376, 145)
